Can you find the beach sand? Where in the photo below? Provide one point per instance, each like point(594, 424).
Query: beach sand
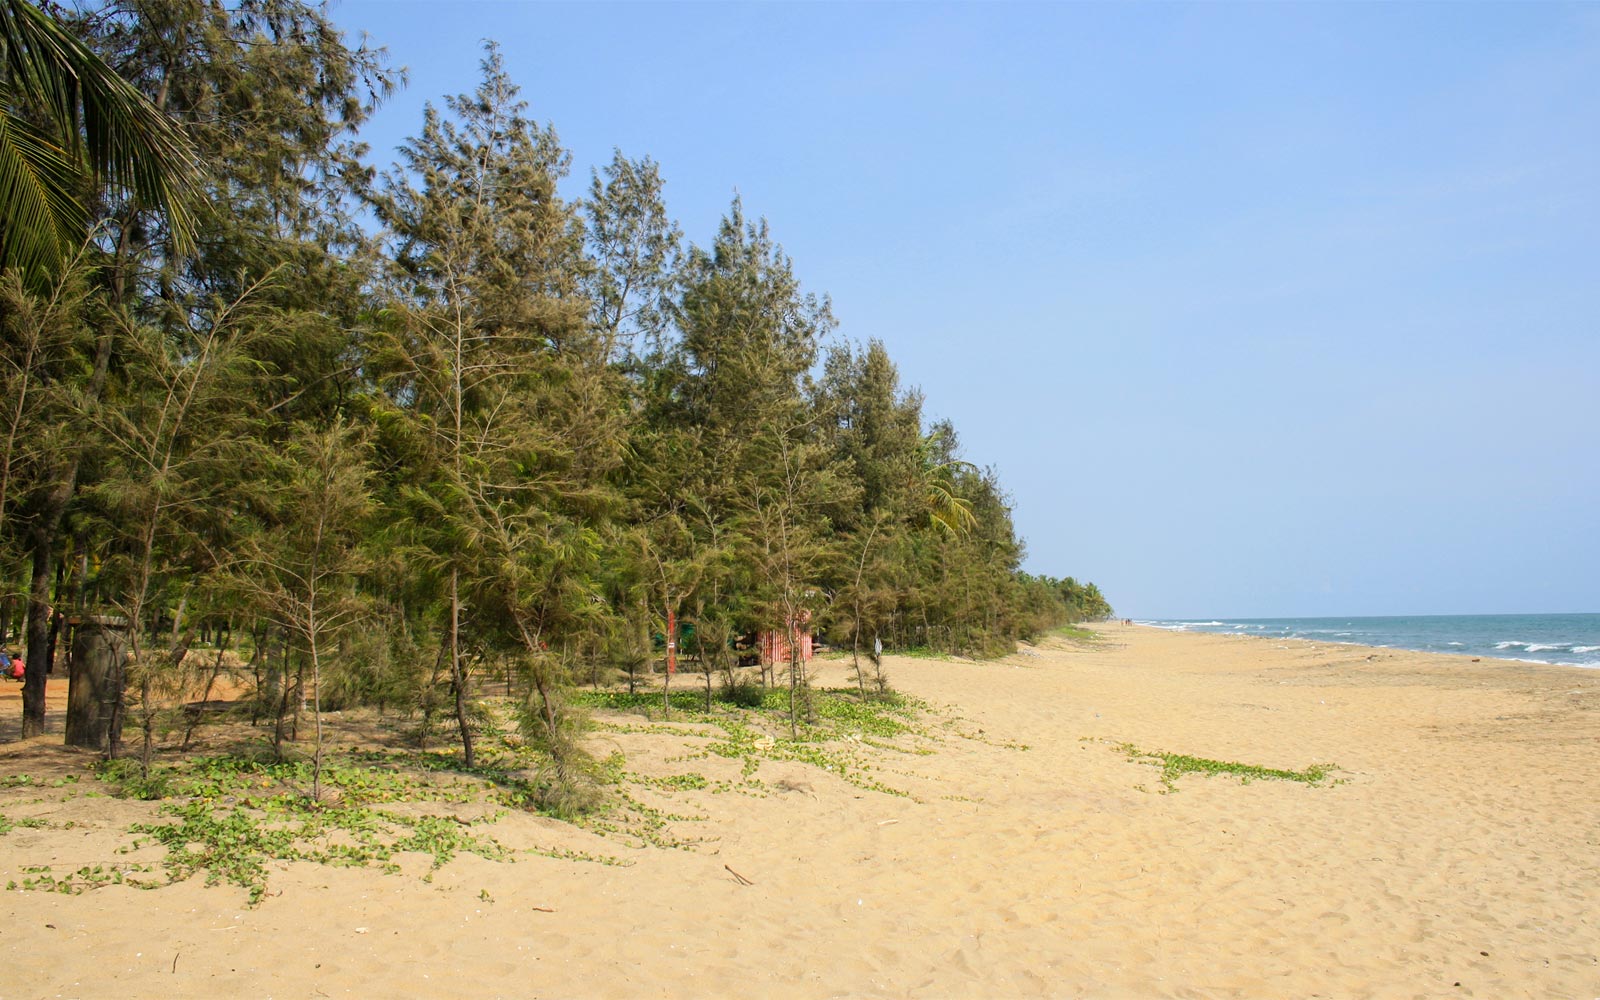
point(1454, 852)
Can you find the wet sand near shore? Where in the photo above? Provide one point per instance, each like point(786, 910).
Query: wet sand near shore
point(1453, 851)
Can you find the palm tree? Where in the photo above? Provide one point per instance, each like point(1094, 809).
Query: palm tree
point(66, 118)
point(936, 474)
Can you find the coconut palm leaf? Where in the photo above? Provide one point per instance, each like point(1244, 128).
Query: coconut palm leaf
point(947, 511)
point(101, 121)
point(936, 475)
point(42, 217)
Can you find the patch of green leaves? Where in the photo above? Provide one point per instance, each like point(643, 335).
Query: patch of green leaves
point(589, 857)
point(685, 702)
point(886, 717)
point(356, 779)
point(839, 727)
point(29, 781)
point(752, 747)
point(42, 878)
point(234, 844)
point(1176, 765)
point(1076, 633)
point(924, 653)
point(626, 817)
point(691, 781)
point(7, 824)
point(228, 816)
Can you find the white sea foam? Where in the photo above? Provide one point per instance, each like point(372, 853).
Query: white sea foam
point(1574, 644)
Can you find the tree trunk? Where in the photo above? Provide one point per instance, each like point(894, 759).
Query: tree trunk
point(457, 673)
point(43, 542)
point(260, 670)
point(285, 692)
point(794, 676)
point(299, 689)
point(205, 696)
point(99, 653)
point(57, 619)
point(316, 707)
point(855, 649)
point(427, 695)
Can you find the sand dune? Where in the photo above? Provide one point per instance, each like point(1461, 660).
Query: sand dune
point(1455, 852)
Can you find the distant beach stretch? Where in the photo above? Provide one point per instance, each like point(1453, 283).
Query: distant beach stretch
point(1565, 639)
point(1144, 813)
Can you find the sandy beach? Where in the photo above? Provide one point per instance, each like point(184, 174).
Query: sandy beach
point(1019, 851)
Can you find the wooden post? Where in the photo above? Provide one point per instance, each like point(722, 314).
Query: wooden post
point(99, 653)
point(672, 642)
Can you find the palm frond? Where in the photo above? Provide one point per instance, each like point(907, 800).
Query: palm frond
point(102, 119)
point(949, 512)
point(42, 218)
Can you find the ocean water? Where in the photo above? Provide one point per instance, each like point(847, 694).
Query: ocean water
point(1568, 639)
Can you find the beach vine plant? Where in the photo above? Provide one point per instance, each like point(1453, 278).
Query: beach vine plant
point(840, 728)
point(7, 823)
point(227, 817)
point(1176, 765)
point(1076, 633)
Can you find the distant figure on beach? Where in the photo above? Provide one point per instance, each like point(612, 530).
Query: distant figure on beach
point(14, 667)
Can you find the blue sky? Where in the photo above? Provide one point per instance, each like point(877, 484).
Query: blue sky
point(1256, 309)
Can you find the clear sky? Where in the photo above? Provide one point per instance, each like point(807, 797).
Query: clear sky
point(1257, 309)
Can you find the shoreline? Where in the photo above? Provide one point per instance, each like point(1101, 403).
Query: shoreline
point(1150, 624)
point(1019, 850)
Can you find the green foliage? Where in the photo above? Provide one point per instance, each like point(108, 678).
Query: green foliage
point(7, 824)
point(1076, 633)
point(96, 125)
point(554, 727)
point(43, 878)
point(134, 781)
point(508, 433)
point(841, 724)
point(226, 817)
point(888, 716)
point(1175, 766)
point(744, 694)
point(687, 703)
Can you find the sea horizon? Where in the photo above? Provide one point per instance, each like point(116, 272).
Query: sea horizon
point(1556, 639)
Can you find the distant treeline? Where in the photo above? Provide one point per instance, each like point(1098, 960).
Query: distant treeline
point(396, 429)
